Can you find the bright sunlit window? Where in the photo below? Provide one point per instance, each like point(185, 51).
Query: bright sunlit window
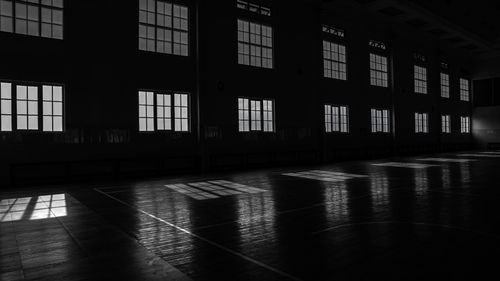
point(445, 85)
point(445, 124)
point(464, 124)
point(255, 44)
point(166, 112)
point(421, 122)
point(163, 27)
point(334, 60)
point(255, 115)
point(464, 89)
point(336, 119)
point(420, 79)
point(380, 120)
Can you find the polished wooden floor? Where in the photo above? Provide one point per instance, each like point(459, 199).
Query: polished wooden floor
point(420, 218)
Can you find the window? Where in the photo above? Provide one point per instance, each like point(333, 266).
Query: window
point(464, 89)
point(464, 124)
point(445, 85)
point(336, 119)
point(27, 113)
point(27, 107)
point(380, 120)
point(254, 8)
point(377, 44)
point(255, 115)
point(167, 118)
point(5, 107)
point(334, 60)
point(163, 27)
point(421, 123)
point(146, 111)
point(32, 17)
point(333, 31)
point(255, 44)
point(420, 79)
point(378, 70)
point(52, 99)
point(445, 124)
point(181, 112)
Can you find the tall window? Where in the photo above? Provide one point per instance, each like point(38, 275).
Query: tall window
point(420, 79)
point(163, 27)
point(32, 17)
point(334, 60)
point(421, 123)
point(380, 120)
point(26, 112)
point(464, 89)
point(445, 124)
point(27, 107)
point(166, 117)
point(445, 85)
point(464, 124)
point(255, 44)
point(5, 107)
point(255, 115)
point(378, 70)
point(336, 119)
point(52, 98)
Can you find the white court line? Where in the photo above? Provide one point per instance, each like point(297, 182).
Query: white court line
point(237, 186)
point(458, 160)
point(405, 165)
point(321, 175)
point(480, 155)
point(215, 244)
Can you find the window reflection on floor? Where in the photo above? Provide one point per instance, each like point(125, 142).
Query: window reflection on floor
point(33, 208)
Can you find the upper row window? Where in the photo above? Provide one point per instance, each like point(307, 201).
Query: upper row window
point(163, 27)
point(32, 17)
point(255, 44)
point(254, 8)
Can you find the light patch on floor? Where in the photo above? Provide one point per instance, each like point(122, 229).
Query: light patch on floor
point(212, 189)
point(33, 208)
point(457, 160)
point(328, 176)
point(405, 165)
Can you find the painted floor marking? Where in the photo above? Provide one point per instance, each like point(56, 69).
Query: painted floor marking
point(321, 175)
point(405, 165)
point(215, 244)
point(457, 160)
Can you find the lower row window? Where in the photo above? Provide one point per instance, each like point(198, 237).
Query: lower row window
point(336, 119)
point(421, 122)
point(159, 111)
point(22, 103)
point(255, 115)
point(380, 120)
point(464, 124)
point(445, 124)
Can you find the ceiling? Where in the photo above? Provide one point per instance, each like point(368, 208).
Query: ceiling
point(472, 27)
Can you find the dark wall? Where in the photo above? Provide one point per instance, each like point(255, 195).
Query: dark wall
point(102, 69)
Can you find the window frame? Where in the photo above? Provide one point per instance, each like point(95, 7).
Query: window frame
point(40, 112)
point(331, 129)
point(382, 124)
point(335, 40)
point(261, 24)
point(262, 120)
point(40, 6)
point(172, 29)
point(444, 86)
point(465, 92)
point(421, 123)
point(446, 123)
point(156, 106)
point(416, 79)
point(465, 125)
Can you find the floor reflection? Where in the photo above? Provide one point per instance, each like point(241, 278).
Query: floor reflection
point(33, 208)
